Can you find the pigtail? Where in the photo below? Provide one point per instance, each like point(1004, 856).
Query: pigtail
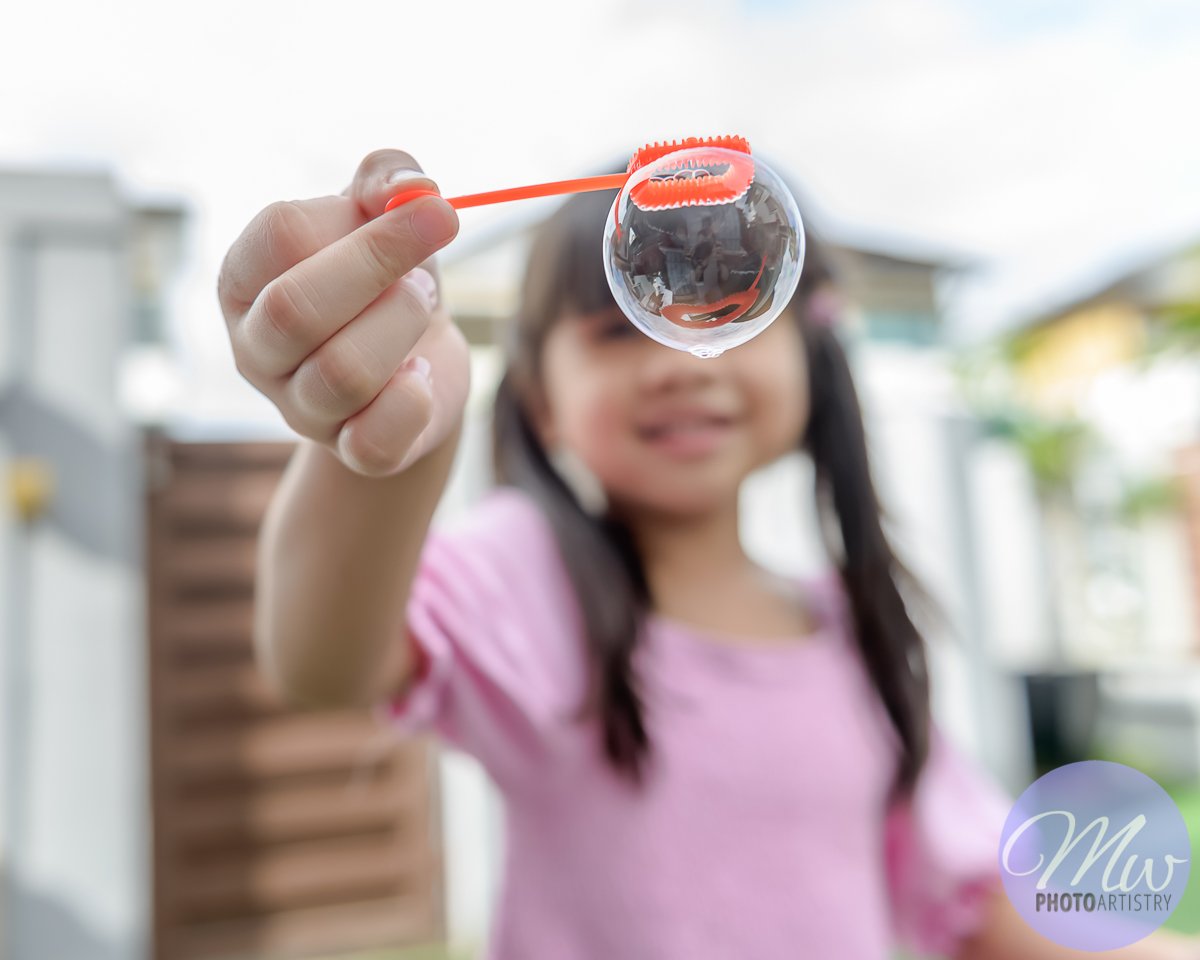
point(608, 575)
point(893, 650)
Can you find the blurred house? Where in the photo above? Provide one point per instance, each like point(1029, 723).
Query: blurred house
point(81, 273)
point(155, 800)
point(1096, 358)
point(1108, 388)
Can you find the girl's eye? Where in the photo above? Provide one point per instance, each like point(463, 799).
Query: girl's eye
point(612, 331)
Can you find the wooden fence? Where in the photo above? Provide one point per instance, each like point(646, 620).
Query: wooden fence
point(276, 832)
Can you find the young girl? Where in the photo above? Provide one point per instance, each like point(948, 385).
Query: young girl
point(699, 758)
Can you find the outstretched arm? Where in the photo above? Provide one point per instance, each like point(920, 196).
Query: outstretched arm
point(1006, 936)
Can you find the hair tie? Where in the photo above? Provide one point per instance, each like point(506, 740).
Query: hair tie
point(824, 308)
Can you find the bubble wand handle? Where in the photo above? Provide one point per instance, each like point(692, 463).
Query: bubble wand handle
point(613, 181)
point(720, 186)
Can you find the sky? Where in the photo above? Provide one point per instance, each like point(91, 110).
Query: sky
point(1050, 143)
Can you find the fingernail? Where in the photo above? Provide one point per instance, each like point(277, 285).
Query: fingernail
point(423, 280)
point(434, 220)
point(421, 366)
point(405, 173)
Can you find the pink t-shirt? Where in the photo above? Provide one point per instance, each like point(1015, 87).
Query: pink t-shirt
point(763, 831)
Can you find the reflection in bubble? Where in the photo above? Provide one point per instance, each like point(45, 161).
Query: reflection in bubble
point(703, 249)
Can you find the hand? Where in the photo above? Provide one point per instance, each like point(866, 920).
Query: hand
point(325, 311)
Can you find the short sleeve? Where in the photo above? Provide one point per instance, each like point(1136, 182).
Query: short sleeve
point(497, 634)
point(942, 850)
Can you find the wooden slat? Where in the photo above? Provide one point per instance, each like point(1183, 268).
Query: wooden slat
point(215, 650)
point(220, 690)
point(214, 565)
point(297, 813)
point(225, 457)
point(196, 503)
point(283, 746)
point(296, 875)
point(312, 932)
point(194, 630)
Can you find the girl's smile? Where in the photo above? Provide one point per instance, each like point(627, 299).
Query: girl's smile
point(687, 432)
point(661, 428)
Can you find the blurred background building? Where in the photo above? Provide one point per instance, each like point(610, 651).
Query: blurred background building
point(155, 800)
point(81, 269)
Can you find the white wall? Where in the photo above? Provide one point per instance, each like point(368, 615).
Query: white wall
point(70, 597)
point(87, 816)
point(7, 534)
point(1168, 613)
point(924, 452)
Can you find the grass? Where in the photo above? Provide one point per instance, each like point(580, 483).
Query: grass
point(1186, 917)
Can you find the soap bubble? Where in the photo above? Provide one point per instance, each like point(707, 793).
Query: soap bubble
point(703, 249)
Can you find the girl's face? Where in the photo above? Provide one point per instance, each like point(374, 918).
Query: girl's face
point(663, 430)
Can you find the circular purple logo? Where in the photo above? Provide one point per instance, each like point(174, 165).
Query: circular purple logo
point(1094, 855)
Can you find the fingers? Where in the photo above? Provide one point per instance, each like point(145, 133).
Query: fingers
point(381, 439)
point(286, 232)
point(348, 370)
point(303, 307)
point(278, 238)
point(322, 302)
point(379, 178)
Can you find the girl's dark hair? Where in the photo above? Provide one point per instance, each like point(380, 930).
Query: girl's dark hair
point(565, 273)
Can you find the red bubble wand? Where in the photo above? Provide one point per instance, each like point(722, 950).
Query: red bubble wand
point(717, 170)
point(692, 182)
